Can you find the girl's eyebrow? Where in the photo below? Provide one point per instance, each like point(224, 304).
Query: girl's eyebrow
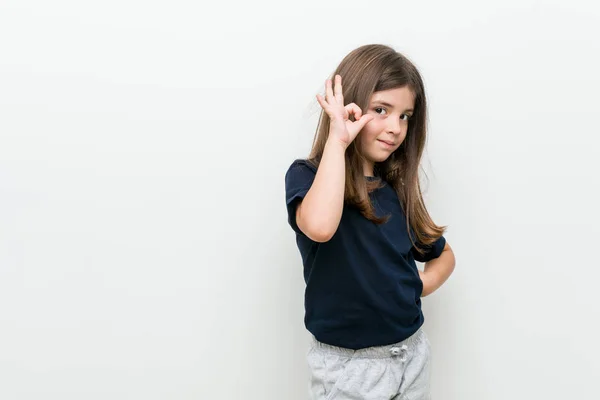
point(383, 103)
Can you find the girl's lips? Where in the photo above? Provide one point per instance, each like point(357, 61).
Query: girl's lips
point(385, 142)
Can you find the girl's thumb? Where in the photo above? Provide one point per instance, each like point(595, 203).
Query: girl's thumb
point(364, 120)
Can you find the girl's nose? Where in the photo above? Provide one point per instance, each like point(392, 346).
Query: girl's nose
point(394, 127)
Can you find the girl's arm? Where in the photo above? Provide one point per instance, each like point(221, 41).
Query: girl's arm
point(320, 212)
point(437, 271)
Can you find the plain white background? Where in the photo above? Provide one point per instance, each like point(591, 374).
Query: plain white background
point(144, 247)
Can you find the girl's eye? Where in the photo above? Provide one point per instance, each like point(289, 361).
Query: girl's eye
point(405, 117)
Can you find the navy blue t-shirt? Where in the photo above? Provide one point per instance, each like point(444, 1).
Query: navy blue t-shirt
point(362, 286)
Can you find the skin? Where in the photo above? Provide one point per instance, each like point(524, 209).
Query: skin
point(380, 130)
point(391, 111)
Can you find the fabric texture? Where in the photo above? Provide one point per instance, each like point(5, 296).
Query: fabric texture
point(400, 371)
point(363, 287)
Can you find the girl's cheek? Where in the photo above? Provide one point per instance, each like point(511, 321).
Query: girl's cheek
point(373, 125)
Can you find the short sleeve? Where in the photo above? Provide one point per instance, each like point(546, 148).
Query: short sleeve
point(298, 180)
point(432, 251)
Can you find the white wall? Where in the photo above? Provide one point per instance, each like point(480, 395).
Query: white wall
point(144, 250)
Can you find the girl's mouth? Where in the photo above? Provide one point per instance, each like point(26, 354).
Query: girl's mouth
point(386, 143)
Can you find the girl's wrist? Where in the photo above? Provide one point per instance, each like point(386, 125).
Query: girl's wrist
point(336, 143)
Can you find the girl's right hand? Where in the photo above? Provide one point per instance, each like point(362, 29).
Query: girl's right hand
point(341, 128)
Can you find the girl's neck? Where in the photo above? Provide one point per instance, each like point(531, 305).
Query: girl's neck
point(368, 168)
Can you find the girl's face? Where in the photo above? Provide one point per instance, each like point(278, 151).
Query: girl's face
point(380, 137)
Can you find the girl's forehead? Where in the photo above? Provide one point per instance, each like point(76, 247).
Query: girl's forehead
point(398, 98)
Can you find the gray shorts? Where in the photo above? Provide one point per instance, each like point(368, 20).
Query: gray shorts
point(399, 371)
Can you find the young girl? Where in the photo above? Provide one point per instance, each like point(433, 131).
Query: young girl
point(360, 222)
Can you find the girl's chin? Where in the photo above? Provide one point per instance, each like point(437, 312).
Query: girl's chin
point(379, 156)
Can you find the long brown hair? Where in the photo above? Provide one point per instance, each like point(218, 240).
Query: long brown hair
point(365, 70)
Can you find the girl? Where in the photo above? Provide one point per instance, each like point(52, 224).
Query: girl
point(360, 222)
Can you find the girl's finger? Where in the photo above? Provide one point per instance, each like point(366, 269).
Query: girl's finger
point(322, 102)
point(338, 90)
point(352, 108)
point(326, 107)
point(329, 92)
point(360, 123)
